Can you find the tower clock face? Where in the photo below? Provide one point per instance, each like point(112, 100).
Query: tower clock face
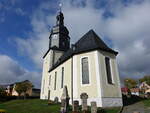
point(55, 40)
point(55, 36)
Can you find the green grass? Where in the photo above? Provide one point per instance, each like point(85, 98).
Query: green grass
point(38, 106)
point(146, 103)
point(29, 106)
point(112, 110)
point(109, 110)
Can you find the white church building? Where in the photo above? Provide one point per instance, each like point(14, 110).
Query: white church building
point(89, 66)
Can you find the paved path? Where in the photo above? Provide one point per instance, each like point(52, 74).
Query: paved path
point(136, 107)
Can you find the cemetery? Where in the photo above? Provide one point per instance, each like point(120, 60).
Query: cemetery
point(49, 106)
point(54, 106)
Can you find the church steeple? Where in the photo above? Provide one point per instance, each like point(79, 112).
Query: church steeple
point(60, 19)
point(59, 37)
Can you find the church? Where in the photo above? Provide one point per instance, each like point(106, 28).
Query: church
point(88, 66)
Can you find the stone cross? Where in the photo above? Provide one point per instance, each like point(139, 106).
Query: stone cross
point(84, 98)
point(93, 107)
point(65, 100)
point(76, 106)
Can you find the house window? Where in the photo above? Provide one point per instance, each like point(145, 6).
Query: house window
point(50, 80)
point(85, 70)
point(62, 78)
point(55, 80)
point(108, 70)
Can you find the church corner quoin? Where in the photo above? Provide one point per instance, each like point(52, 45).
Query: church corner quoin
point(89, 66)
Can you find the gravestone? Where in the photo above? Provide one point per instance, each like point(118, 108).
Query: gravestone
point(56, 100)
point(93, 107)
point(84, 98)
point(76, 106)
point(65, 100)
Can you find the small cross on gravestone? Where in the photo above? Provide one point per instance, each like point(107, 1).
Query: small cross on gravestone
point(93, 107)
point(84, 98)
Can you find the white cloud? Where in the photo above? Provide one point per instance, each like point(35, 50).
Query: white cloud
point(19, 11)
point(11, 71)
point(128, 29)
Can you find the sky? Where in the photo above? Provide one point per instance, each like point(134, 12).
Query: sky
point(25, 26)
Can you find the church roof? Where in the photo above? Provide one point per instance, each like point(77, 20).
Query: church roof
point(90, 41)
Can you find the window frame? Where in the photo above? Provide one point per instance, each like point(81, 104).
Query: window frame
point(49, 80)
point(43, 86)
point(62, 77)
point(111, 73)
point(89, 67)
point(55, 80)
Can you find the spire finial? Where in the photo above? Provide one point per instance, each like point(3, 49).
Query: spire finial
point(60, 6)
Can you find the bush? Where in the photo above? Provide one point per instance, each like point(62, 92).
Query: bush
point(131, 100)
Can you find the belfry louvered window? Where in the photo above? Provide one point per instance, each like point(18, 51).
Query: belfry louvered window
point(85, 70)
point(108, 70)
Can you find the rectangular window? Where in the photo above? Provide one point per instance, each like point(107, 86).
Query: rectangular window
point(55, 80)
point(62, 78)
point(43, 85)
point(108, 70)
point(85, 70)
point(50, 80)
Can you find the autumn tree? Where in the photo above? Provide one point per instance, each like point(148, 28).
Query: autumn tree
point(23, 87)
point(145, 79)
point(2, 92)
point(130, 83)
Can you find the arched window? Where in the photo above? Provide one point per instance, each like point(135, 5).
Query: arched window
point(85, 70)
point(108, 70)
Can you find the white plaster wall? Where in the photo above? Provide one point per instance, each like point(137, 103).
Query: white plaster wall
point(67, 80)
point(98, 90)
point(91, 88)
point(110, 93)
point(47, 62)
point(57, 55)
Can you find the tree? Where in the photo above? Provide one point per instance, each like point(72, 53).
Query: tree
point(2, 92)
point(23, 87)
point(145, 79)
point(130, 83)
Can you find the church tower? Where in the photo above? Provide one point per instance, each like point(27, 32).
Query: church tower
point(59, 37)
point(59, 41)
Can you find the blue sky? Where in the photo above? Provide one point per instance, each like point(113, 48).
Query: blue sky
point(25, 25)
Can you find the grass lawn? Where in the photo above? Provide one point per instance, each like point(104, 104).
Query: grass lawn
point(37, 106)
point(146, 103)
point(29, 106)
point(112, 110)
